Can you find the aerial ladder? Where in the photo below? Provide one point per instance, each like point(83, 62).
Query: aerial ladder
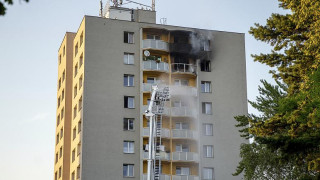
point(154, 113)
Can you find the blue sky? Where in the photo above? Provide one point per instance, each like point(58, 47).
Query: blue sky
point(30, 35)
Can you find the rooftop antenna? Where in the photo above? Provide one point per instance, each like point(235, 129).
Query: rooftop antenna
point(101, 8)
point(153, 5)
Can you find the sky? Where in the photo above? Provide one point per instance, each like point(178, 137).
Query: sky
point(30, 35)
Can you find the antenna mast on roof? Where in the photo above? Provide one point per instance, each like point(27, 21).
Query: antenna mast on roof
point(101, 8)
point(153, 5)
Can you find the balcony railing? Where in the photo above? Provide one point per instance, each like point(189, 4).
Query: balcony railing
point(183, 68)
point(183, 111)
point(185, 177)
point(165, 133)
point(183, 91)
point(163, 156)
point(185, 156)
point(184, 133)
point(155, 44)
point(155, 66)
point(147, 87)
point(162, 177)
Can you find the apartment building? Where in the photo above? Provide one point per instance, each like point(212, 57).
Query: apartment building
point(106, 71)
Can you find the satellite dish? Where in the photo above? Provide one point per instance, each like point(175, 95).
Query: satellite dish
point(146, 53)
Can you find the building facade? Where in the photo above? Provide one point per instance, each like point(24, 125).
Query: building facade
point(106, 71)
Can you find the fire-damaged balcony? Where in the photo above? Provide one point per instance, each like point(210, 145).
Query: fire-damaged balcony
point(182, 48)
point(155, 44)
point(183, 68)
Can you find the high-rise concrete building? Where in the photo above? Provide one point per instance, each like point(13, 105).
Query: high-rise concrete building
point(106, 71)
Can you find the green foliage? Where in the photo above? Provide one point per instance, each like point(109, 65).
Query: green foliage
point(287, 133)
point(3, 8)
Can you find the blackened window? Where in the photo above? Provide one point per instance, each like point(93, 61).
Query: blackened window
point(205, 66)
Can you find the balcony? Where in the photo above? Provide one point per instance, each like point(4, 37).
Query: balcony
point(183, 112)
point(185, 156)
point(183, 91)
point(162, 177)
point(147, 87)
point(183, 68)
point(163, 156)
point(155, 66)
point(165, 133)
point(182, 48)
point(155, 44)
point(184, 133)
point(185, 177)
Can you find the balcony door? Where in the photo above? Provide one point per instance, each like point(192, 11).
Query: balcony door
point(182, 171)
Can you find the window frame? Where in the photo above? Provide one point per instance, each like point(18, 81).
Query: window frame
point(127, 100)
point(126, 58)
point(206, 87)
point(127, 78)
point(128, 37)
point(129, 146)
point(127, 121)
point(128, 170)
point(206, 153)
point(212, 173)
point(205, 129)
point(204, 108)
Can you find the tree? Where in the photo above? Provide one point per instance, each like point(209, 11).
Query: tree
point(289, 127)
point(3, 8)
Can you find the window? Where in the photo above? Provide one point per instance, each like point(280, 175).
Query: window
point(58, 120)
point(208, 129)
point(75, 112)
point(129, 102)
point(62, 113)
point(153, 36)
point(208, 151)
point(181, 125)
point(62, 95)
point(206, 108)
point(128, 170)
point(63, 75)
point(55, 176)
point(128, 124)
point(205, 86)
point(80, 82)
point(78, 172)
point(59, 86)
point(80, 103)
point(151, 80)
point(76, 49)
point(181, 82)
point(74, 132)
point(128, 58)
point(128, 80)
point(57, 157)
point(128, 146)
point(64, 50)
point(128, 37)
point(79, 126)
point(182, 148)
point(205, 45)
point(73, 176)
point(81, 39)
point(75, 91)
point(60, 152)
point(59, 59)
point(57, 140)
point(182, 171)
point(81, 60)
point(205, 66)
point(73, 155)
point(207, 173)
point(75, 70)
point(79, 149)
point(59, 102)
point(61, 133)
point(60, 172)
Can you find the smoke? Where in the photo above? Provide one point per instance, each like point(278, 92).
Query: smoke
point(200, 41)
